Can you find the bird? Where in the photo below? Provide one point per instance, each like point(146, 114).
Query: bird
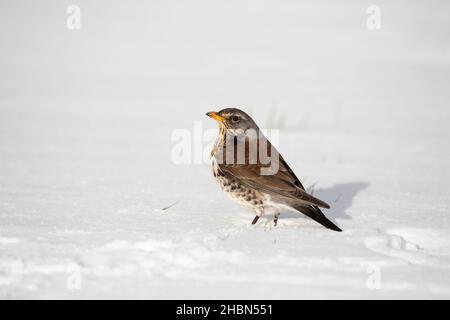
point(237, 165)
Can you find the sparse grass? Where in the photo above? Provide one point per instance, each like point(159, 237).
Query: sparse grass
point(276, 119)
point(312, 188)
point(268, 226)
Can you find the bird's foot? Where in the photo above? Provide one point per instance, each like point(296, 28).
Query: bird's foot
point(275, 218)
point(255, 220)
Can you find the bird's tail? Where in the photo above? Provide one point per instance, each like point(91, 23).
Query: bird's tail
point(317, 215)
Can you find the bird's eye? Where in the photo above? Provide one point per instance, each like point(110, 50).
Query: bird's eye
point(235, 118)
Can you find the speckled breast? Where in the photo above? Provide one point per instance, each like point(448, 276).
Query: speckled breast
point(240, 193)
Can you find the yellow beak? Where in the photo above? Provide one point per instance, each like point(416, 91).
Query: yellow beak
point(215, 116)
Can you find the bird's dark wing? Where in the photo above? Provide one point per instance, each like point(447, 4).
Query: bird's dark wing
point(280, 184)
point(291, 173)
point(283, 183)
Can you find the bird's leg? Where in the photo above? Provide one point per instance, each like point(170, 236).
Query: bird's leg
point(259, 213)
point(275, 218)
point(255, 220)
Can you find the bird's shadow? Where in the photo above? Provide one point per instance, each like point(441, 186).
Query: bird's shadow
point(339, 197)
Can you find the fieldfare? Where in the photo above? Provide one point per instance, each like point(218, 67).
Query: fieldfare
point(252, 172)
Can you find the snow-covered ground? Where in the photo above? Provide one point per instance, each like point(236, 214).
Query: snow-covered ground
point(86, 118)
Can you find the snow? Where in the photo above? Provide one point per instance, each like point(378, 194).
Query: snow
point(92, 206)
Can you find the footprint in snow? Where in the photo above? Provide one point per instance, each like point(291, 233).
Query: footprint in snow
point(398, 244)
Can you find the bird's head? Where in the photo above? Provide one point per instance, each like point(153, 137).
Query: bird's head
point(233, 120)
